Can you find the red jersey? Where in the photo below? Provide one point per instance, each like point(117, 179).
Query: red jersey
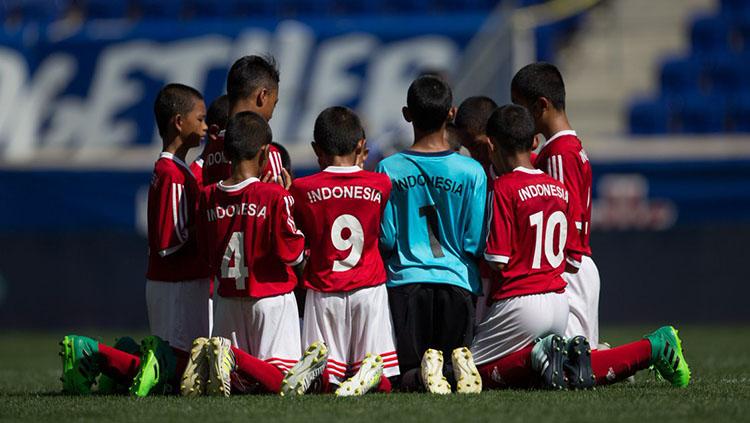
point(529, 232)
point(250, 237)
point(197, 168)
point(172, 246)
point(563, 158)
point(216, 166)
point(339, 210)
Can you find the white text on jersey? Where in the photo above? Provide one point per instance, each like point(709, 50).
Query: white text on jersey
point(241, 209)
point(536, 190)
point(355, 192)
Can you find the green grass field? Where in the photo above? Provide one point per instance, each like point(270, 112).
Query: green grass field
point(719, 358)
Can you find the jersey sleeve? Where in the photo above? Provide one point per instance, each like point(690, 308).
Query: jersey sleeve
point(299, 210)
point(573, 243)
point(273, 164)
point(499, 228)
point(565, 167)
point(174, 215)
point(201, 231)
point(475, 229)
point(388, 222)
point(288, 241)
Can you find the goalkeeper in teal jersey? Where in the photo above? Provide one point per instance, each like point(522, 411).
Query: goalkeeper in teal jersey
point(432, 233)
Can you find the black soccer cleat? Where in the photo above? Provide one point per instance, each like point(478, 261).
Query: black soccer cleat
point(578, 364)
point(548, 358)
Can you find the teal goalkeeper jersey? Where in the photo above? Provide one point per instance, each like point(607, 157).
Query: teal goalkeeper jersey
point(433, 227)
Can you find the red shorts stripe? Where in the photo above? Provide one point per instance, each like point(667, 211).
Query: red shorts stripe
point(282, 360)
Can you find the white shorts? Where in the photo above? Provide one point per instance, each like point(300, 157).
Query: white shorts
point(514, 323)
point(351, 324)
point(583, 297)
point(267, 328)
point(178, 311)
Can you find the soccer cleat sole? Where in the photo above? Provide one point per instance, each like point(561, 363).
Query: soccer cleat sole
point(299, 378)
point(367, 378)
point(195, 377)
point(432, 373)
point(548, 358)
point(468, 380)
point(220, 366)
point(578, 364)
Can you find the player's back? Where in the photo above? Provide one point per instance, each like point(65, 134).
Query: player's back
point(339, 210)
point(216, 166)
point(528, 231)
point(250, 237)
point(563, 158)
point(434, 221)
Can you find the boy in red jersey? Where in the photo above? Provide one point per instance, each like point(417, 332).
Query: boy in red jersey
point(252, 242)
point(216, 119)
point(529, 242)
point(339, 210)
point(540, 88)
point(252, 86)
point(177, 285)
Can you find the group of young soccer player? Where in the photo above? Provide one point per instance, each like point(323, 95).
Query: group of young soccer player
point(485, 258)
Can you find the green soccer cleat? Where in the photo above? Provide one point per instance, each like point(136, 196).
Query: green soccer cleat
point(365, 379)
point(431, 371)
point(108, 386)
point(667, 358)
point(220, 363)
point(80, 365)
point(299, 378)
point(465, 371)
point(156, 370)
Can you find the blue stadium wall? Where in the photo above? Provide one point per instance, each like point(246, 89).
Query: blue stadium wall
point(73, 255)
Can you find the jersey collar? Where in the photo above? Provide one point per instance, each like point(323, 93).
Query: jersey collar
point(342, 169)
point(237, 187)
point(527, 170)
point(170, 156)
point(559, 135)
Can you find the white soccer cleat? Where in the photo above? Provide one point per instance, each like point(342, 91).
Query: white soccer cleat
point(299, 378)
point(467, 376)
point(220, 366)
point(432, 373)
point(195, 377)
point(367, 377)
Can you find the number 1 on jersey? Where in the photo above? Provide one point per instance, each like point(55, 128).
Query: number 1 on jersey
point(235, 253)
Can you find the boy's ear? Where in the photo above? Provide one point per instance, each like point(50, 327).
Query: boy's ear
point(316, 149)
point(484, 139)
point(178, 121)
point(451, 114)
point(544, 105)
point(263, 156)
point(261, 97)
point(405, 112)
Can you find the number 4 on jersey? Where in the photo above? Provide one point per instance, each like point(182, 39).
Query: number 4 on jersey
point(235, 254)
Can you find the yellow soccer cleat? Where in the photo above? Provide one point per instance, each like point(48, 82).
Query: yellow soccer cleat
point(432, 373)
point(220, 366)
point(299, 378)
point(367, 378)
point(195, 377)
point(467, 376)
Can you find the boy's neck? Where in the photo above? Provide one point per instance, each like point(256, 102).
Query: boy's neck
point(343, 161)
point(243, 170)
point(243, 105)
point(559, 122)
point(430, 142)
point(519, 159)
point(176, 148)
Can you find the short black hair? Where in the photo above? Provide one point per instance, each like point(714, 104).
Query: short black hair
point(173, 100)
point(249, 73)
point(540, 79)
point(246, 133)
point(473, 114)
point(218, 112)
point(429, 100)
point(337, 131)
point(511, 128)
